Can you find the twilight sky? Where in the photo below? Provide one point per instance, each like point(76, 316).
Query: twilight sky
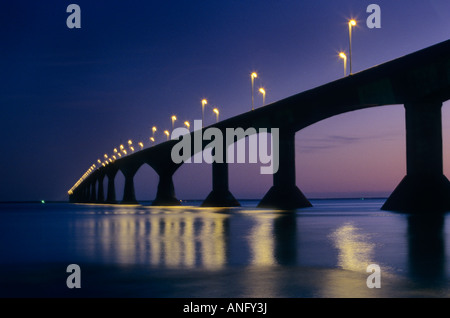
point(68, 96)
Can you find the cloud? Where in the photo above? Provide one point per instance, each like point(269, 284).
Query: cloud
point(310, 145)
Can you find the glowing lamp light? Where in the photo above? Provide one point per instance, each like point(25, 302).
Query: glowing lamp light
point(216, 111)
point(253, 76)
point(351, 24)
point(343, 56)
point(263, 92)
point(204, 102)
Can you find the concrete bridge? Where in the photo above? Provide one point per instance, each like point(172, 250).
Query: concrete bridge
point(420, 81)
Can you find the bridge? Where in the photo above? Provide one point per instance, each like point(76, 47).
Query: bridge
point(420, 81)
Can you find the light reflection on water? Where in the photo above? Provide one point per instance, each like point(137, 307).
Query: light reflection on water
point(214, 252)
point(168, 239)
point(355, 249)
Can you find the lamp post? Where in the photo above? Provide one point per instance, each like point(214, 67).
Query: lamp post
point(344, 57)
point(263, 92)
point(253, 76)
point(173, 121)
point(186, 123)
point(215, 110)
point(153, 131)
point(167, 134)
point(351, 24)
point(204, 102)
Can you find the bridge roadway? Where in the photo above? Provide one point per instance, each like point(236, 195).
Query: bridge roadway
point(420, 81)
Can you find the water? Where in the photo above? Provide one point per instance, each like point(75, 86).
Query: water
point(189, 251)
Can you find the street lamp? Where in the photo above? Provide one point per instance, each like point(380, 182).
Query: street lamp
point(186, 123)
point(204, 102)
point(351, 24)
point(152, 139)
point(153, 131)
point(173, 121)
point(344, 57)
point(141, 145)
point(167, 134)
point(263, 92)
point(217, 114)
point(253, 76)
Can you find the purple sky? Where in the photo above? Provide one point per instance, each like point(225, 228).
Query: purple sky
point(70, 95)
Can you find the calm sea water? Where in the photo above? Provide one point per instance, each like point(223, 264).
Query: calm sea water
point(189, 251)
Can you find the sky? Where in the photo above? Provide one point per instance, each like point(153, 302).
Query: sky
point(70, 95)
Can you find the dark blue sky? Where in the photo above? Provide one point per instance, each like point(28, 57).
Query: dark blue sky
point(70, 95)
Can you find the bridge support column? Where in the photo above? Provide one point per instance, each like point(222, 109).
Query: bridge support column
point(86, 193)
point(220, 195)
point(111, 195)
point(424, 188)
point(129, 196)
point(284, 193)
point(93, 194)
point(165, 195)
point(101, 192)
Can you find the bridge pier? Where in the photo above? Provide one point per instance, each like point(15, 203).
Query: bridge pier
point(284, 193)
point(165, 196)
point(100, 191)
point(86, 193)
point(111, 192)
point(220, 195)
point(129, 196)
point(93, 193)
point(424, 189)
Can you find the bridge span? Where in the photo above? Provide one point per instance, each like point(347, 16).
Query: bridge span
point(420, 81)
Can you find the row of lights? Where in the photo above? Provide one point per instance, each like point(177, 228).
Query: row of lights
point(83, 177)
point(118, 153)
point(122, 151)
